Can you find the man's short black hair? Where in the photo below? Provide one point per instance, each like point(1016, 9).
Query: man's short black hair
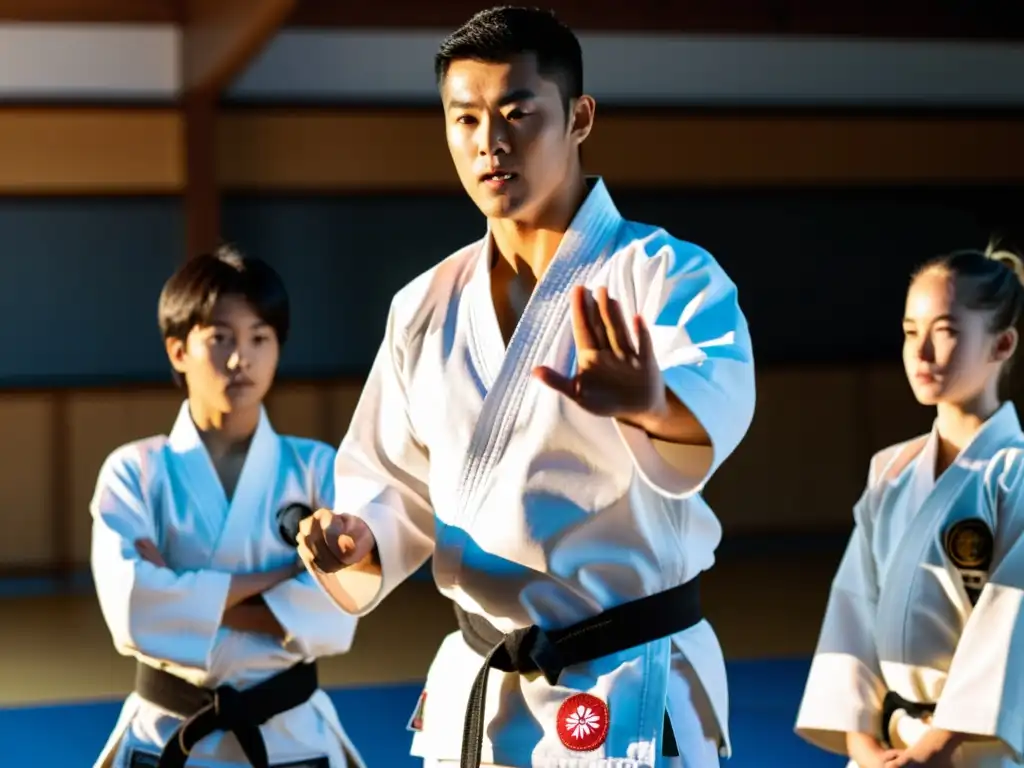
point(189, 296)
point(499, 34)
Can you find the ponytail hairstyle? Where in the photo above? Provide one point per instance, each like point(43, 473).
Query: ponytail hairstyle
point(990, 281)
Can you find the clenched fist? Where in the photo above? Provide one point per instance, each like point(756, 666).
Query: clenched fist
point(331, 542)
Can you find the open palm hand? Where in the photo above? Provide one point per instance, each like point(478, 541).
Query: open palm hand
point(614, 376)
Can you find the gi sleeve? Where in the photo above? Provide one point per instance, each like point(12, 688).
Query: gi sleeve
point(984, 691)
point(844, 688)
point(150, 611)
point(312, 625)
point(381, 476)
point(702, 345)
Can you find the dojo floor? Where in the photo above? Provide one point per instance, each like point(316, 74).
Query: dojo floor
point(61, 682)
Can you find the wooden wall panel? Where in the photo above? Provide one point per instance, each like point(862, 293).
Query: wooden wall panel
point(99, 422)
point(77, 150)
point(25, 479)
point(799, 466)
point(800, 469)
point(67, 150)
point(298, 410)
point(404, 150)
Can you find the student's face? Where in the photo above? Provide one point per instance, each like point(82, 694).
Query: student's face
point(506, 118)
point(949, 354)
point(230, 364)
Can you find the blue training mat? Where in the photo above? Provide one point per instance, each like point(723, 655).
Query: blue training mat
point(764, 698)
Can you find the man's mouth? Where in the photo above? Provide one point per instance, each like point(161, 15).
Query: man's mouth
point(498, 177)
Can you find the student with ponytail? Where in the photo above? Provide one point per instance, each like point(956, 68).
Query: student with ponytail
point(920, 661)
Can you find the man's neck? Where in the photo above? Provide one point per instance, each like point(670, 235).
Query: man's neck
point(533, 243)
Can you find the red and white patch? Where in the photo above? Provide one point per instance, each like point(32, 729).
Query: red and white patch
point(583, 722)
point(415, 723)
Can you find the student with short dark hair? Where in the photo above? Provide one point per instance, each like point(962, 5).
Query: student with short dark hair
point(544, 411)
point(193, 548)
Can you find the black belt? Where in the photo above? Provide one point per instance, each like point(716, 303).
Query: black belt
point(224, 708)
point(140, 759)
point(533, 649)
point(893, 702)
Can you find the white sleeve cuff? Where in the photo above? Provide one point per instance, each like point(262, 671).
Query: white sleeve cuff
point(401, 551)
point(841, 696)
point(672, 469)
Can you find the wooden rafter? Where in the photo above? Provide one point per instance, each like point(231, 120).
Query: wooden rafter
point(219, 37)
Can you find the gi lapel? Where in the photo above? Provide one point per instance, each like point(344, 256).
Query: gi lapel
point(255, 487)
point(216, 520)
point(584, 249)
point(934, 513)
point(202, 492)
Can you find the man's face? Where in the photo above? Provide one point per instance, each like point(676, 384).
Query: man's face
point(508, 133)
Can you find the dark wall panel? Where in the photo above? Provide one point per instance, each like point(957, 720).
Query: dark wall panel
point(79, 281)
point(821, 273)
point(343, 260)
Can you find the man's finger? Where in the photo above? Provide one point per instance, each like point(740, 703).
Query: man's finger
point(596, 324)
point(363, 544)
point(316, 541)
point(323, 517)
point(339, 538)
point(583, 331)
point(305, 526)
point(614, 324)
point(644, 343)
point(557, 381)
point(309, 529)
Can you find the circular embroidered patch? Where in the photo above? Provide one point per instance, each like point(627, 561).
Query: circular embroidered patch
point(968, 544)
point(583, 722)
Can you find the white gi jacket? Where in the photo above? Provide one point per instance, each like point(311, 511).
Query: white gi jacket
point(900, 617)
point(166, 489)
point(535, 511)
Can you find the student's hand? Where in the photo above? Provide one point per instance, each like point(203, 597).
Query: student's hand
point(613, 377)
point(933, 750)
point(252, 615)
point(867, 752)
point(331, 542)
point(148, 551)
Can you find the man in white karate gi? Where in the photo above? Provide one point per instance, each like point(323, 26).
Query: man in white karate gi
point(545, 408)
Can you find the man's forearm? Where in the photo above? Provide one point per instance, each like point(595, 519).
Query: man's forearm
point(675, 423)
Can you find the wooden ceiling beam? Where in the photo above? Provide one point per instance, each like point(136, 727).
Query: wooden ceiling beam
point(910, 19)
point(219, 38)
point(906, 19)
point(90, 11)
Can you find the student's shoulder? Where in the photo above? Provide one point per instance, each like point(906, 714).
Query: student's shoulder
point(310, 452)
point(889, 463)
point(133, 460)
point(1005, 471)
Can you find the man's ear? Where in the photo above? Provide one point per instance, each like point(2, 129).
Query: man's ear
point(582, 118)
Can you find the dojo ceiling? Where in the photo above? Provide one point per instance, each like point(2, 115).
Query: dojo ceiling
point(644, 52)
